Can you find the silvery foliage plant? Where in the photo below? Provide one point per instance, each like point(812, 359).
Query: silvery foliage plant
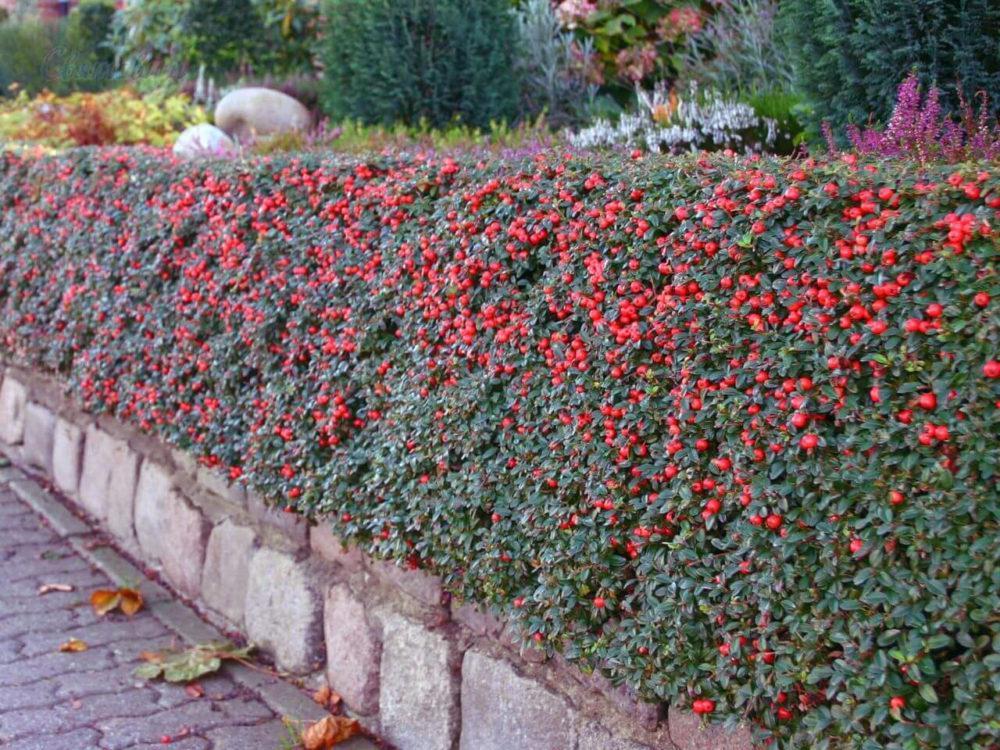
point(667, 123)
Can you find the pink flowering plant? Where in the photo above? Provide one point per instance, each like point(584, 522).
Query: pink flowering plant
point(920, 129)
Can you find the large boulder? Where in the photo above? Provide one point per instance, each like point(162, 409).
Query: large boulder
point(203, 140)
point(253, 112)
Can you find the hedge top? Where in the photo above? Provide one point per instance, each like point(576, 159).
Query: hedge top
point(724, 428)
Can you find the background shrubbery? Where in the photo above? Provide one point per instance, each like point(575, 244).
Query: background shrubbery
point(415, 61)
point(723, 428)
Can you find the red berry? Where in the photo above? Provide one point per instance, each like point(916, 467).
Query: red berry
point(992, 369)
point(856, 545)
point(982, 299)
point(808, 441)
point(773, 521)
point(896, 497)
point(927, 401)
point(703, 706)
point(599, 602)
point(934, 310)
point(897, 702)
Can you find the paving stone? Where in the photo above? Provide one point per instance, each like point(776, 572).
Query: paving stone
point(284, 612)
point(186, 743)
point(13, 398)
point(170, 529)
point(199, 715)
point(268, 735)
point(39, 429)
point(91, 700)
point(687, 732)
point(353, 650)
point(80, 739)
point(67, 457)
point(418, 690)
point(107, 481)
point(227, 569)
point(501, 709)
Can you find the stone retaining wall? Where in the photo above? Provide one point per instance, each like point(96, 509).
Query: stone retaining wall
point(427, 671)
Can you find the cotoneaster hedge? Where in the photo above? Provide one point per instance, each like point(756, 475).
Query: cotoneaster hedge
point(727, 429)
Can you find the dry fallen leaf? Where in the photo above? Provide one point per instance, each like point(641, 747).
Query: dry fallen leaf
point(329, 731)
point(195, 690)
point(73, 645)
point(106, 600)
point(48, 588)
point(322, 696)
point(131, 601)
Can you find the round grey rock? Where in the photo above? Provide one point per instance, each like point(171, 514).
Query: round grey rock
point(253, 112)
point(204, 140)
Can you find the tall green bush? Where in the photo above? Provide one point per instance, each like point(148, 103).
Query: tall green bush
point(420, 60)
point(851, 55)
point(86, 58)
point(25, 57)
point(224, 35)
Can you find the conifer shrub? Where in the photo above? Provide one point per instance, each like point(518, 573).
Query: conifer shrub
point(420, 61)
point(850, 55)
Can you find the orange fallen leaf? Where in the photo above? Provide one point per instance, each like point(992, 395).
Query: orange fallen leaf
point(107, 600)
point(131, 601)
point(73, 646)
point(48, 588)
point(322, 696)
point(329, 731)
point(103, 601)
point(154, 657)
point(195, 690)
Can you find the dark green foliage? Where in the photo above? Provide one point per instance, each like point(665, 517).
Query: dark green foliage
point(223, 35)
point(26, 57)
point(420, 60)
point(86, 58)
point(851, 55)
point(725, 427)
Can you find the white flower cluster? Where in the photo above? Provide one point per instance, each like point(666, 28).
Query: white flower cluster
point(698, 121)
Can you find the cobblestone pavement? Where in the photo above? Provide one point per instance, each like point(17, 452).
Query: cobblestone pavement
point(50, 700)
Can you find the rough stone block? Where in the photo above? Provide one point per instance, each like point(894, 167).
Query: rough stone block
point(501, 709)
point(688, 734)
point(647, 715)
point(353, 650)
point(418, 690)
point(169, 529)
point(216, 482)
point(330, 548)
point(13, 399)
point(67, 456)
point(284, 612)
point(476, 619)
point(596, 737)
point(422, 586)
point(39, 429)
point(227, 569)
point(107, 482)
point(292, 530)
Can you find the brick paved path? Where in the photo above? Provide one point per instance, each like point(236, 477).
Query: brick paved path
point(90, 700)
